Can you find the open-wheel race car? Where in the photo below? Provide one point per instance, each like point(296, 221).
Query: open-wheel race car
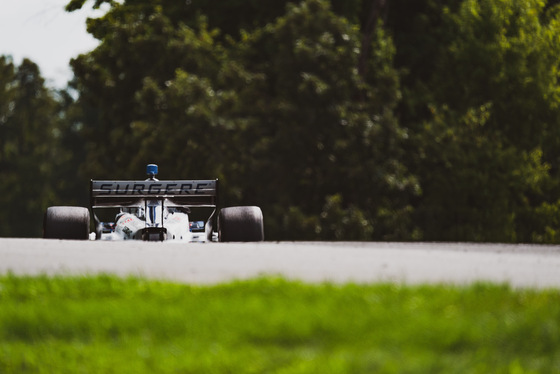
point(154, 210)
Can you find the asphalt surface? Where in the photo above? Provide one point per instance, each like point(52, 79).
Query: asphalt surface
point(521, 266)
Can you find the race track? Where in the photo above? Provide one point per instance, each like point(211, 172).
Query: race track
point(409, 263)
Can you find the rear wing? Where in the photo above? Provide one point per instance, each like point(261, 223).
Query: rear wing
point(202, 193)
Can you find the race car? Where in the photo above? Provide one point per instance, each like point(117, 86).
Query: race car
point(154, 210)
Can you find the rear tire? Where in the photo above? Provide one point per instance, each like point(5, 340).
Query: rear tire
point(66, 222)
point(241, 224)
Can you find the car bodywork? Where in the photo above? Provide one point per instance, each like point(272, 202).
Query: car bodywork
point(155, 210)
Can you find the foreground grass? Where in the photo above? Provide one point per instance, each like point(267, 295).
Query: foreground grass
point(110, 325)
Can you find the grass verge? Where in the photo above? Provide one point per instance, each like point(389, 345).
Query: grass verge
point(106, 324)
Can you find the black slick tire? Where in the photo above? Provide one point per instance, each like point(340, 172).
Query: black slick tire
point(66, 222)
point(241, 224)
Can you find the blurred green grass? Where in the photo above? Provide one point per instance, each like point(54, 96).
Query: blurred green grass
point(106, 324)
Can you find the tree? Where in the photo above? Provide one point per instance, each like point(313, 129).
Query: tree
point(139, 46)
point(29, 148)
point(229, 16)
point(476, 185)
point(481, 100)
point(316, 127)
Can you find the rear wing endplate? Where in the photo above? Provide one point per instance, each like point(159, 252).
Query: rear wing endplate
point(202, 193)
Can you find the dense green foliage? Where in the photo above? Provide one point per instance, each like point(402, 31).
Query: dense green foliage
point(110, 325)
point(36, 149)
point(343, 120)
